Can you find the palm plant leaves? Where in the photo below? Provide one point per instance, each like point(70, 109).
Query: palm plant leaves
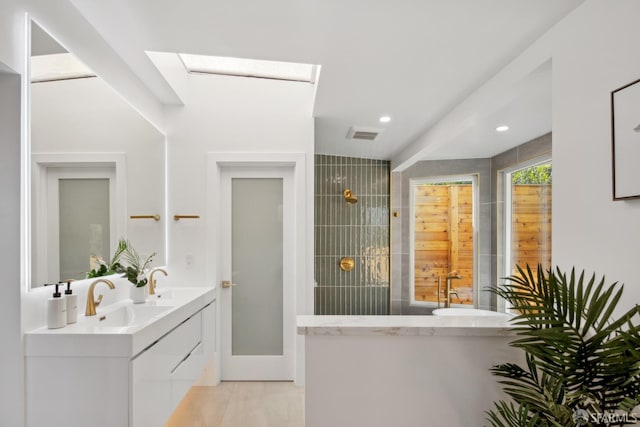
point(507, 415)
point(577, 355)
point(136, 266)
point(115, 259)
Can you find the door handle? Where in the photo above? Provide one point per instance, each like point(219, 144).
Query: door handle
point(227, 284)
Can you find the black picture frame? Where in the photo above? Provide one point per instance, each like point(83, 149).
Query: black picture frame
point(625, 141)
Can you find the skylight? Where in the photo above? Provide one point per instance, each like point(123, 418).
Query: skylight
point(60, 66)
point(249, 68)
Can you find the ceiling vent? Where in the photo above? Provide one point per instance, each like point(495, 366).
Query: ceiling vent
point(363, 133)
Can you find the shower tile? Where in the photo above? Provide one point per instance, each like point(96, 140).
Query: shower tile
point(359, 230)
point(485, 229)
point(505, 159)
point(535, 148)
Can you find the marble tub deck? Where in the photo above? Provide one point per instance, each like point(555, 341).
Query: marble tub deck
point(403, 326)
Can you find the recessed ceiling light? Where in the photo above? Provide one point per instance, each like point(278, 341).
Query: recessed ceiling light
point(502, 128)
point(385, 119)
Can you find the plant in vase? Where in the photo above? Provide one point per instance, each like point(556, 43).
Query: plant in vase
point(114, 267)
point(136, 271)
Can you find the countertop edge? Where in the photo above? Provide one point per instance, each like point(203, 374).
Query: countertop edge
point(43, 342)
point(402, 326)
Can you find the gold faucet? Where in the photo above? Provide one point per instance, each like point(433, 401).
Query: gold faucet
point(448, 290)
point(91, 303)
point(152, 281)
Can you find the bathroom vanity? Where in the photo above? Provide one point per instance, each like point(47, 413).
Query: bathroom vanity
point(130, 365)
point(380, 371)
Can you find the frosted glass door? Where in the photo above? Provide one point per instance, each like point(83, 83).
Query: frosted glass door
point(257, 245)
point(76, 215)
point(84, 225)
point(257, 260)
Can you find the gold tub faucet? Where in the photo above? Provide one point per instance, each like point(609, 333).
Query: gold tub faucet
point(448, 290)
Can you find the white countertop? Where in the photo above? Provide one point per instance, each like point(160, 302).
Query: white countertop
point(89, 337)
point(403, 326)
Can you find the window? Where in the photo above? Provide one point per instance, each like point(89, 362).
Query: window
point(528, 217)
point(443, 218)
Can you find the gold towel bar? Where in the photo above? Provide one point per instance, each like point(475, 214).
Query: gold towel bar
point(179, 217)
point(155, 217)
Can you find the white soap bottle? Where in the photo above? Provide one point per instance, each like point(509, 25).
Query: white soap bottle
point(56, 311)
point(72, 304)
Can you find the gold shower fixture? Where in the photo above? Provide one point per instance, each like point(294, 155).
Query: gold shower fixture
point(349, 197)
point(347, 263)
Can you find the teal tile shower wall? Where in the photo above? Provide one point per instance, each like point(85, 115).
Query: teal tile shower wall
point(359, 231)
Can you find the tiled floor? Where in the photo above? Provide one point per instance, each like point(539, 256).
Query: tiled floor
point(241, 404)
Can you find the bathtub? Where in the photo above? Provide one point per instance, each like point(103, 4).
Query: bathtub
point(469, 312)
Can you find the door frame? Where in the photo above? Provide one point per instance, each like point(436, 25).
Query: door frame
point(264, 368)
point(301, 260)
point(40, 164)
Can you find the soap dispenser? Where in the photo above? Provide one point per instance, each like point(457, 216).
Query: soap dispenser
point(72, 304)
point(56, 310)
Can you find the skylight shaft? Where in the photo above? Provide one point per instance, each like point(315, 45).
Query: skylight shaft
point(61, 66)
point(241, 67)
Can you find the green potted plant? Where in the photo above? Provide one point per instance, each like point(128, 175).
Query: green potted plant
point(135, 270)
point(114, 267)
point(582, 365)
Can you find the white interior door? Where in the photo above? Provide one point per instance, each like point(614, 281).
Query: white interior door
point(257, 311)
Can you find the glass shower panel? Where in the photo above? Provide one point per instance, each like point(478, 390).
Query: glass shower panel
point(257, 267)
point(84, 232)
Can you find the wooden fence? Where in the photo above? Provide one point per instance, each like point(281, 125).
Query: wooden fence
point(443, 240)
point(531, 225)
point(444, 235)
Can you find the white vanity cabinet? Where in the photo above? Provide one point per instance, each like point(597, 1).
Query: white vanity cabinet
point(164, 372)
point(88, 375)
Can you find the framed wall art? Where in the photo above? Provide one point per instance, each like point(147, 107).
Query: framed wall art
point(625, 141)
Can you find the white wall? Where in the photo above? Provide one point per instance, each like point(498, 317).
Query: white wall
point(224, 114)
point(595, 52)
point(11, 356)
point(69, 26)
point(87, 116)
point(402, 380)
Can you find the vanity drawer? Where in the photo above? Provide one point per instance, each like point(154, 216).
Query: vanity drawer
point(185, 374)
point(179, 342)
point(151, 372)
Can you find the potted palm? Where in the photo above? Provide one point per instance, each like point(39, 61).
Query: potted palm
point(582, 365)
point(135, 271)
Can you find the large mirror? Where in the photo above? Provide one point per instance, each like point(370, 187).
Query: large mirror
point(97, 169)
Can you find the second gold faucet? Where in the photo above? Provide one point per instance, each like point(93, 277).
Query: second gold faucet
point(152, 281)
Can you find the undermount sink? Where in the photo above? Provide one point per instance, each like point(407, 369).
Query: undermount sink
point(129, 315)
point(165, 294)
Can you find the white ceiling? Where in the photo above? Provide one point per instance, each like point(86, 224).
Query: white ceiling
point(411, 59)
